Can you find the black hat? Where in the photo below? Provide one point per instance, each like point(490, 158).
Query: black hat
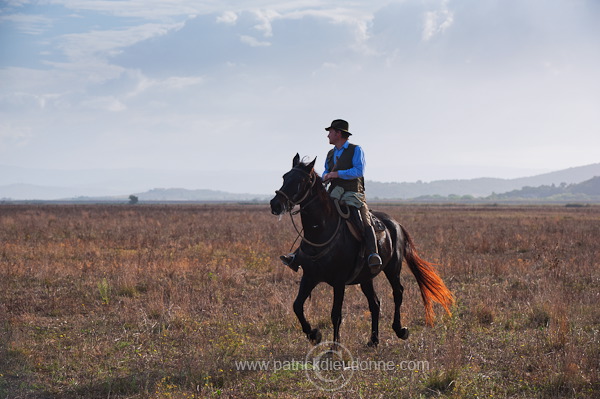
point(339, 124)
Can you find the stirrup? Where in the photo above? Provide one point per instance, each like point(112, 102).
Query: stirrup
point(374, 261)
point(289, 261)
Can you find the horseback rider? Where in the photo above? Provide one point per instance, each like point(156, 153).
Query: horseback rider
point(344, 169)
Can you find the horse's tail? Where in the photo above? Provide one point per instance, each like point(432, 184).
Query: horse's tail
point(431, 285)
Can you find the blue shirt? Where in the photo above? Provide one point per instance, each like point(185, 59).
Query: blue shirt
point(358, 163)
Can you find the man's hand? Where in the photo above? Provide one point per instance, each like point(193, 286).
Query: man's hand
point(330, 176)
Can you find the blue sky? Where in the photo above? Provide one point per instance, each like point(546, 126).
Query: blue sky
point(433, 89)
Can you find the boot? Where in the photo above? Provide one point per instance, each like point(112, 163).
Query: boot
point(374, 260)
point(291, 260)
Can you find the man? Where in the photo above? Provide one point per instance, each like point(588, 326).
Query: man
point(344, 169)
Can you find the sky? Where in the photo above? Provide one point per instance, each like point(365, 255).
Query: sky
point(432, 89)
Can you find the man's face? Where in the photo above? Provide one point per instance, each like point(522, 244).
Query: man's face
point(334, 136)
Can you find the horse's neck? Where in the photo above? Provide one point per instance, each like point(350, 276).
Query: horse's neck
point(316, 211)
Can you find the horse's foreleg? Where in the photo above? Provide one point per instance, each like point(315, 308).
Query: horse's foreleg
point(374, 306)
point(393, 276)
point(306, 287)
point(336, 310)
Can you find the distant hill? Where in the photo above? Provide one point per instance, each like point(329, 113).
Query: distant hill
point(587, 190)
point(181, 194)
point(46, 193)
point(481, 187)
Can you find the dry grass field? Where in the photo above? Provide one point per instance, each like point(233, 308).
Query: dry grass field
point(157, 301)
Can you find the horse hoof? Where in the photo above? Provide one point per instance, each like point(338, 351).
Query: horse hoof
point(372, 343)
point(315, 336)
point(403, 333)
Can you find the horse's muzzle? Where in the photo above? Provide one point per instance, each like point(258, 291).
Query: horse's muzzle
point(277, 206)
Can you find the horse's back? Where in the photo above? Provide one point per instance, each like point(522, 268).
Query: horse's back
point(394, 230)
point(392, 226)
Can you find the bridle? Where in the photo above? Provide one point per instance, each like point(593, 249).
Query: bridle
point(291, 204)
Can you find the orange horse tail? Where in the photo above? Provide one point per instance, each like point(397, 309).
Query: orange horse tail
point(431, 285)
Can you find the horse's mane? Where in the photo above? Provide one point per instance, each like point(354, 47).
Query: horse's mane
point(323, 195)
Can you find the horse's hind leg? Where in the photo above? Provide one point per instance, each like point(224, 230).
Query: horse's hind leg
point(306, 287)
point(393, 276)
point(374, 306)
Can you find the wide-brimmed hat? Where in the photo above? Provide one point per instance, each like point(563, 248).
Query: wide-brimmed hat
point(339, 124)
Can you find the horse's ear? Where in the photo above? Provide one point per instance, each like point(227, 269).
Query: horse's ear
point(296, 160)
point(311, 165)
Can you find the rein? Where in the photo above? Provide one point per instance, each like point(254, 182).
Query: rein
point(312, 243)
point(313, 178)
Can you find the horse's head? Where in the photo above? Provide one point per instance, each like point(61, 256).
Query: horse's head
point(296, 186)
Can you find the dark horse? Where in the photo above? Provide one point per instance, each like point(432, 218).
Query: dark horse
point(330, 253)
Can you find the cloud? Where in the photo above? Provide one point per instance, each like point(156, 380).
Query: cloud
point(155, 10)
point(14, 135)
point(205, 46)
point(265, 17)
point(178, 82)
point(145, 84)
point(436, 22)
point(107, 43)
point(29, 23)
point(228, 17)
point(17, 3)
point(253, 42)
point(110, 104)
point(25, 87)
point(160, 10)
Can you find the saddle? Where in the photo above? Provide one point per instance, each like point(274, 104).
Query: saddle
point(357, 230)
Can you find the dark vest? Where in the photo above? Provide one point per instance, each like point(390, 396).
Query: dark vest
point(343, 163)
